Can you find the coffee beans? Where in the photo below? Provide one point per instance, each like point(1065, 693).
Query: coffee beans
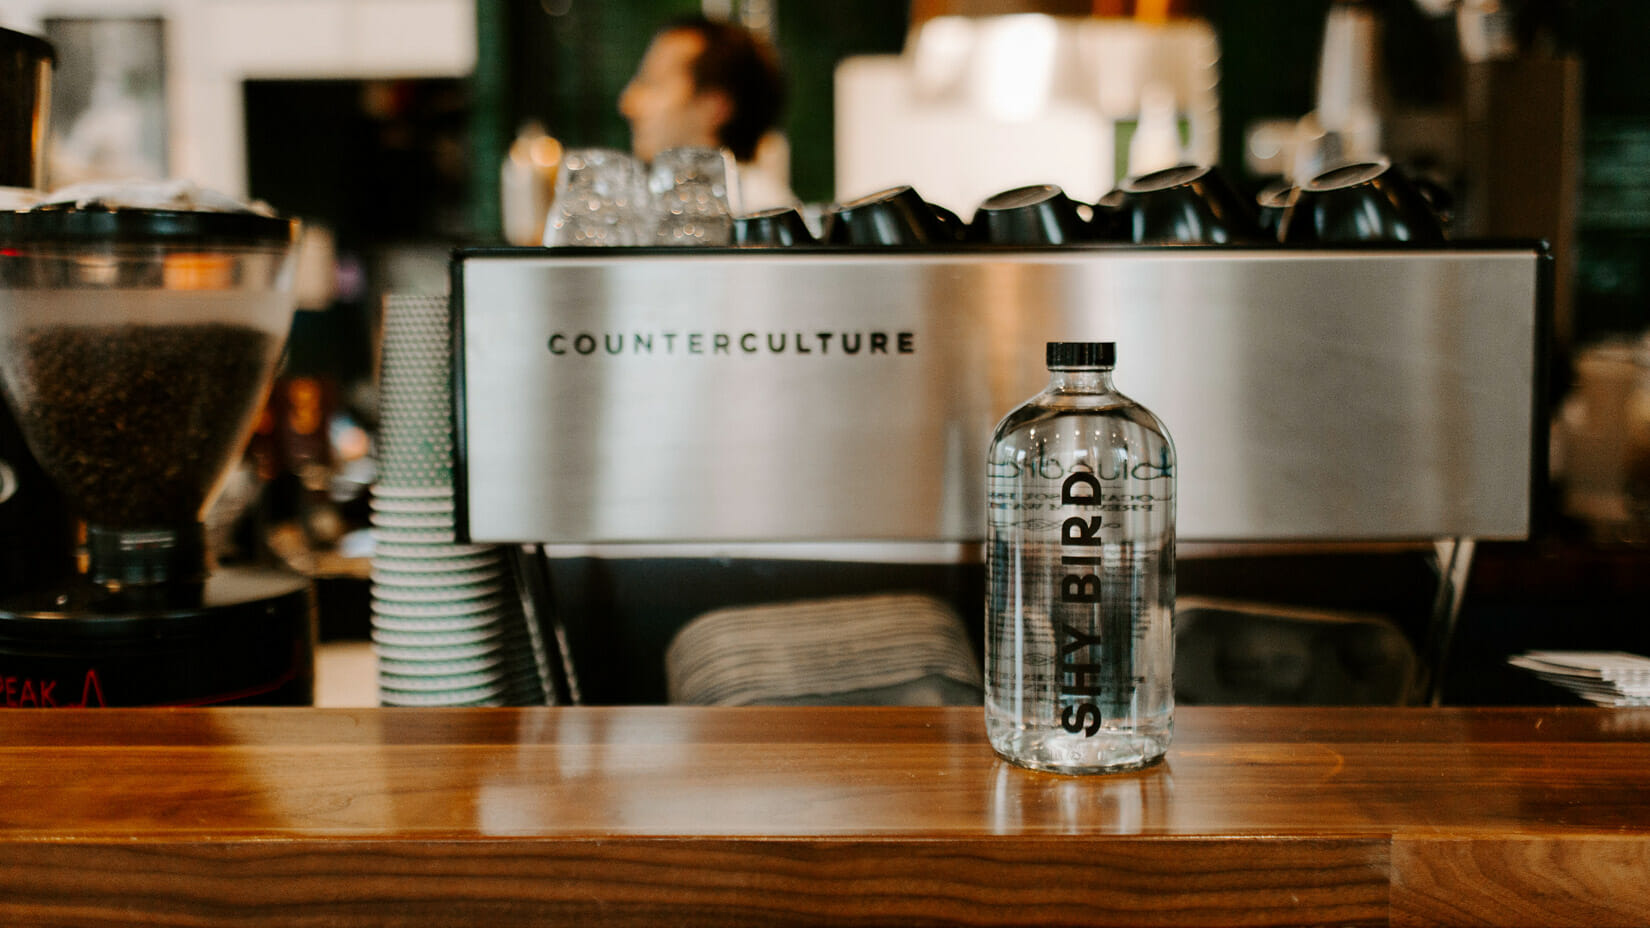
point(137, 423)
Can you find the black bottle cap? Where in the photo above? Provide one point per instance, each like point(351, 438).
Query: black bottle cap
point(1082, 354)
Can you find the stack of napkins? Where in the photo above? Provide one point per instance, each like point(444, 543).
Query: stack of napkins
point(1605, 678)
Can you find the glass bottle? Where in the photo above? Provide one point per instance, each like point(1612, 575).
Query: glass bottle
point(1080, 574)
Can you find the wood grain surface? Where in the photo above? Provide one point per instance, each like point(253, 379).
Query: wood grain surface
point(674, 816)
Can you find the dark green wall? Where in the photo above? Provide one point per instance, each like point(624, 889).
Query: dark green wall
point(561, 62)
point(1269, 60)
point(564, 63)
point(1613, 217)
point(813, 37)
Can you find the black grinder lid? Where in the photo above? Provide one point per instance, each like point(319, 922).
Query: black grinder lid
point(73, 224)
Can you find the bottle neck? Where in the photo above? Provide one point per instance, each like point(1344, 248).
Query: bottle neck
point(1080, 380)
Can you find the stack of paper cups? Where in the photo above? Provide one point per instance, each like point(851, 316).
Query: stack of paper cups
point(447, 619)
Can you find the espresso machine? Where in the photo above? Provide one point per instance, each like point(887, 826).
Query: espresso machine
point(137, 346)
point(679, 436)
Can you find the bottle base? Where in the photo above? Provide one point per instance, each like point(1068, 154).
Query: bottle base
point(1058, 752)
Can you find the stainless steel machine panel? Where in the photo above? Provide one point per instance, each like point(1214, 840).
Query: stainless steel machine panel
point(787, 396)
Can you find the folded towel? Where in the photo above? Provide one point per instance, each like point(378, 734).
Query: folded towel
point(883, 649)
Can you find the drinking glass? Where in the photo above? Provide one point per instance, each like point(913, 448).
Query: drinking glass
point(689, 187)
point(601, 200)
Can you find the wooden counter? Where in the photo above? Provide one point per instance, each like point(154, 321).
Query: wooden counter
point(685, 817)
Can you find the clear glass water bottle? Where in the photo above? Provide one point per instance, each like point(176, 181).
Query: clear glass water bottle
point(1080, 574)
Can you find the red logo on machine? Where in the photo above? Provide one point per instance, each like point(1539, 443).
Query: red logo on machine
point(31, 693)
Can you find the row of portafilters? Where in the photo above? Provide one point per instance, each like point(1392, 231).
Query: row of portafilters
point(1187, 204)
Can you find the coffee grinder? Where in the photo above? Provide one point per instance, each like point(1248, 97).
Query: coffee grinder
point(137, 347)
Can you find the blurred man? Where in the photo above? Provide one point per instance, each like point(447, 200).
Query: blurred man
point(711, 84)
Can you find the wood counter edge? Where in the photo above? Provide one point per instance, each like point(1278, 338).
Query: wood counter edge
point(1099, 880)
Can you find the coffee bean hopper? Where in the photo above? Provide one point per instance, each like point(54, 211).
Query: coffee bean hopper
point(137, 346)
